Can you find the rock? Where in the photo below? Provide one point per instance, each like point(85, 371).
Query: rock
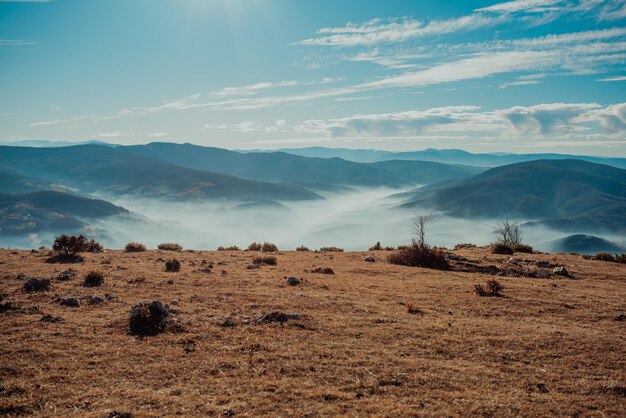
point(66, 275)
point(325, 270)
point(37, 285)
point(543, 273)
point(50, 318)
point(116, 414)
point(253, 266)
point(278, 317)
point(561, 271)
point(228, 323)
point(293, 281)
point(170, 282)
point(71, 302)
point(543, 264)
point(21, 276)
point(109, 296)
point(174, 302)
point(621, 317)
point(370, 259)
point(148, 319)
point(94, 300)
point(4, 307)
point(205, 270)
point(455, 257)
point(93, 279)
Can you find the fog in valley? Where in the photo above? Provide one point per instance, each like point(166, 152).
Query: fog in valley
point(353, 221)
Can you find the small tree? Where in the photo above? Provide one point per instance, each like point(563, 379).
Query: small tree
point(508, 233)
point(70, 244)
point(419, 229)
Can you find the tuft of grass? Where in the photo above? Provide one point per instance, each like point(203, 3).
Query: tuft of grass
point(134, 247)
point(492, 288)
point(302, 248)
point(420, 255)
point(170, 246)
point(604, 257)
point(172, 265)
point(464, 245)
point(331, 250)
point(268, 247)
point(255, 246)
point(500, 248)
point(93, 279)
point(522, 248)
point(268, 260)
point(231, 248)
point(413, 309)
point(620, 258)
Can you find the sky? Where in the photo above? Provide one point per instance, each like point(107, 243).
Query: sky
point(484, 76)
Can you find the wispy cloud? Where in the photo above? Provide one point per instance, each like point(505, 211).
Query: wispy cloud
point(528, 6)
point(15, 42)
point(616, 78)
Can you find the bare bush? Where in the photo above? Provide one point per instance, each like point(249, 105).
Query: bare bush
point(604, 257)
point(268, 260)
point(134, 247)
point(255, 246)
point(170, 246)
point(268, 247)
point(501, 248)
point(93, 279)
point(493, 288)
point(172, 265)
point(302, 248)
point(376, 247)
point(416, 255)
point(508, 233)
point(231, 248)
point(331, 250)
point(522, 248)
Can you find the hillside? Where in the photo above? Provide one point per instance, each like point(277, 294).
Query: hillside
point(583, 244)
point(549, 347)
point(50, 211)
point(570, 195)
point(283, 167)
point(105, 170)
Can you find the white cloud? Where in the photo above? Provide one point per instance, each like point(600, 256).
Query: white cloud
point(397, 30)
point(253, 88)
point(616, 78)
point(527, 6)
point(545, 119)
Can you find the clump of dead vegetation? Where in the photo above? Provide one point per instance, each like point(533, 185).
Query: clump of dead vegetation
point(501, 248)
point(379, 247)
point(268, 247)
point(604, 256)
point(170, 246)
point(255, 246)
point(148, 319)
point(492, 288)
point(231, 248)
point(93, 279)
point(37, 285)
point(67, 248)
point(302, 248)
point(420, 254)
point(267, 260)
point(172, 265)
point(464, 245)
point(134, 247)
point(323, 270)
point(413, 309)
point(522, 248)
point(331, 250)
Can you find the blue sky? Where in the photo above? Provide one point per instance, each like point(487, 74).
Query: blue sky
point(486, 76)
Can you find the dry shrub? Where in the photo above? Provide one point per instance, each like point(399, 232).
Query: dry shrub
point(68, 246)
point(93, 279)
point(268, 247)
point(134, 247)
point(376, 247)
point(268, 260)
point(94, 246)
point(620, 258)
point(420, 255)
point(255, 246)
point(172, 265)
point(500, 248)
point(324, 270)
point(464, 245)
point(231, 248)
point(331, 250)
point(170, 246)
point(604, 257)
point(493, 288)
point(522, 248)
point(302, 248)
point(402, 247)
point(37, 285)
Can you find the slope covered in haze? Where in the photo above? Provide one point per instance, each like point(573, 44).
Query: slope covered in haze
point(570, 195)
point(583, 244)
point(105, 170)
point(26, 213)
point(308, 171)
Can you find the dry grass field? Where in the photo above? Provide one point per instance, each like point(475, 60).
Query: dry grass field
point(548, 347)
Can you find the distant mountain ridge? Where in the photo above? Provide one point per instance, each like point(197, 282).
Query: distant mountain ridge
point(569, 195)
point(445, 156)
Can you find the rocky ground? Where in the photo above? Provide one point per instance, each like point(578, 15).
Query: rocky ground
point(318, 334)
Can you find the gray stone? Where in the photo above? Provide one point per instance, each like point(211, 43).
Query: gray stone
point(543, 274)
point(71, 302)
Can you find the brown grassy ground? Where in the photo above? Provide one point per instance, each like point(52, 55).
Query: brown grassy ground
point(549, 348)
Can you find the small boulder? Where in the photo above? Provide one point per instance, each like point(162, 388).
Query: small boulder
point(148, 318)
point(543, 273)
point(37, 285)
point(66, 275)
point(542, 264)
point(278, 317)
point(95, 300)
point(562, 271)
point(50, 318)
point(71, 302)
point(228, 323)
point(324, 270)
point(370, 259)
point(293, 281)
point(21, 276)
point(93, 279)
